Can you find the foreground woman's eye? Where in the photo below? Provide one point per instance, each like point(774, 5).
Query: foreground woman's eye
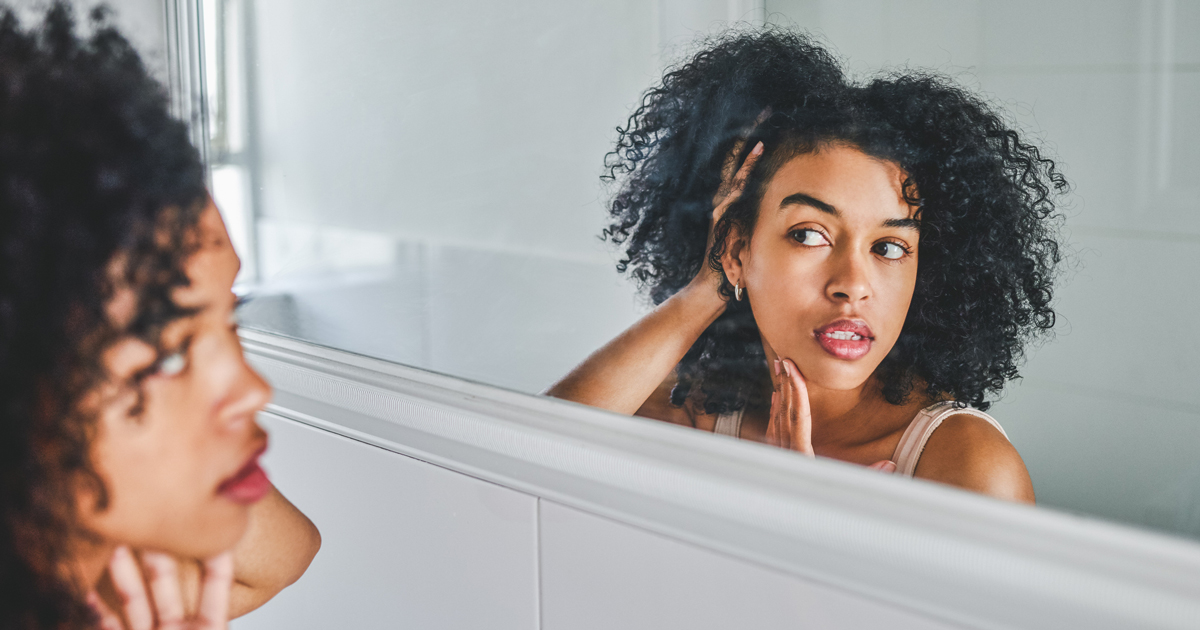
point(812, 238)
point(172, 364)
point(891, 251)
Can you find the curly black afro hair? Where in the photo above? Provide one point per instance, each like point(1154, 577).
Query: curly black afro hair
point(989, 245)
point(93, 170)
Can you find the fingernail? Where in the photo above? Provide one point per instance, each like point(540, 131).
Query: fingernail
point(758, 148)
point(787, 369)
point(776, 367)
point(886, 466)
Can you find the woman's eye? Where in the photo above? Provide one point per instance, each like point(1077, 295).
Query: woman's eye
point(891, 251)
point(172, 364)
point(811, 238)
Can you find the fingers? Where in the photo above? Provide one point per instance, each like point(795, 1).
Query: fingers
point(163, 575)
point(214, 592)
point(728, 171)
point(885, 466)
point(774, 421)
point(803, 409)
point(734, 182)
point(127, 580)
point(108, 619)
point(743, 173)
point(799, 412)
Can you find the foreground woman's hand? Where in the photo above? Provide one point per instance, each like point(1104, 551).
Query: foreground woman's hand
point(790, 423)
point(162, 607)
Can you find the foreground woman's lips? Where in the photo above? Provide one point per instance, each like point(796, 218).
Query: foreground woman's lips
point(846, 339)
point(248, 485)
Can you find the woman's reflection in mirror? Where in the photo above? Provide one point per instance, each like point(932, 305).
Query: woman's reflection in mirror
point(127, 411)
point(849, 270)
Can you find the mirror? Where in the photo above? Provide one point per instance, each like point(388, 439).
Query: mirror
point(420, 183)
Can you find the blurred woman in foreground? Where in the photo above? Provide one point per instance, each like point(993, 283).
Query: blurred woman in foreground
point(127, 411)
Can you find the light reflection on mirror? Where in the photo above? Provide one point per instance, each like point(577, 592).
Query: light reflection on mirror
point(425, 189)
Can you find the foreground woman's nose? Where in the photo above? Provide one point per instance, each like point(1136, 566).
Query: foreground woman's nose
point(249, 395)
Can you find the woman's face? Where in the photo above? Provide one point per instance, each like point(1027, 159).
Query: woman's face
point(831, 266)
point(181, 476)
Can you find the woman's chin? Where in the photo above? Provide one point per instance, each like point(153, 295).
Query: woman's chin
point(215, 537)
point(835, 374)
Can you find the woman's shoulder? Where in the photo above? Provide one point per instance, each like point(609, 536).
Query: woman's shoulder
point(971, 452)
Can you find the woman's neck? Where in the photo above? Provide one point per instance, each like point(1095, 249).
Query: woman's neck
point(853, 416)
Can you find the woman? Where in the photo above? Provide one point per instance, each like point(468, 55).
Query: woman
point(126, 407)
point(796, 312)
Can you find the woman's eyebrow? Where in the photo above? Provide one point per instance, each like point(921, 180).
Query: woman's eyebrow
point(908, 224)
point(801, 199)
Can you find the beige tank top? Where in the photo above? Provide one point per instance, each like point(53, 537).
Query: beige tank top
point(912, 443)
point(730, 423)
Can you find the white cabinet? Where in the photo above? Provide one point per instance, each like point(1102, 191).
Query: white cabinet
point(598, 574)
point(405, 544)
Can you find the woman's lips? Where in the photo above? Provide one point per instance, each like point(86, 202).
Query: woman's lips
point(249, 484)
point(846, 339)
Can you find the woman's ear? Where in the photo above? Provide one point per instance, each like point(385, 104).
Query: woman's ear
point(731, 260)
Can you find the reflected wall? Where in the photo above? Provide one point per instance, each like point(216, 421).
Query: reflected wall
point(420, 182)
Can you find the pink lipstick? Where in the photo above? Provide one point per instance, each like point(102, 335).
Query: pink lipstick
point(248, 485)
point(846, 339)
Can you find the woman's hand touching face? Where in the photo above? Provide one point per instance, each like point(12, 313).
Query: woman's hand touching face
point(161, 606)
point(789, 424)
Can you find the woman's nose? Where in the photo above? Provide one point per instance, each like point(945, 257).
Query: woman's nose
point(250, 394)
point(848, 281)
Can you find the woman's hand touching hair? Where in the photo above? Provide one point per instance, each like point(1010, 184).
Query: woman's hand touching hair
point(161, 606)
point(733, 183)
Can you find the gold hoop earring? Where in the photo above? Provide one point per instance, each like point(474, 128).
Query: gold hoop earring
point(737, 290)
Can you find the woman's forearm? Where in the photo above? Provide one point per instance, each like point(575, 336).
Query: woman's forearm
point(622, 374)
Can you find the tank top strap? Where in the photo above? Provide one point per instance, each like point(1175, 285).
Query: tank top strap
point(730, 423)
point(912, 443)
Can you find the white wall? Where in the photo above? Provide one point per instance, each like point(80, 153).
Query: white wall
point(429, 173)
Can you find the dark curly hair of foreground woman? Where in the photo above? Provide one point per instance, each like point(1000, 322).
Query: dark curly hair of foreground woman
point(92, 168)
point(989, 224)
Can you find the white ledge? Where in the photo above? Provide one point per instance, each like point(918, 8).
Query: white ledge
point(936, 550)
